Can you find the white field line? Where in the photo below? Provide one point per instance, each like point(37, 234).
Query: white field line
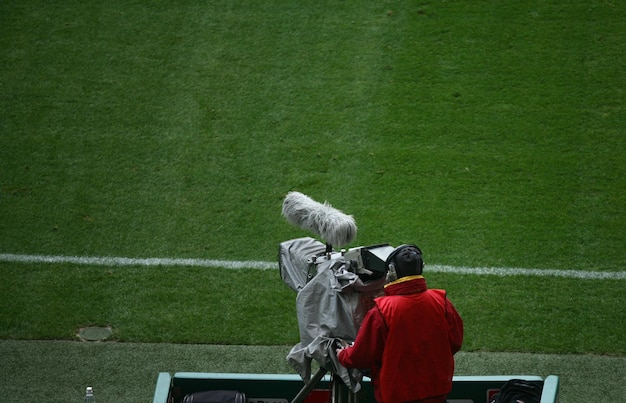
point(261, 265)
point(125, 261)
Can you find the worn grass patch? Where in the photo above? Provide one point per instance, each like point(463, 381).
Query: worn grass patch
point(127, 372)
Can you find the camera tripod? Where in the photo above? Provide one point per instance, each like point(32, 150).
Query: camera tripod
point(339, 391)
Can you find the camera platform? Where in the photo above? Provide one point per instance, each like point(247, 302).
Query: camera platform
point(284, 388)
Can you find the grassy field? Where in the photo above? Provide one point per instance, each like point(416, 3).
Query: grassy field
point(226, 306)
point(492, 135)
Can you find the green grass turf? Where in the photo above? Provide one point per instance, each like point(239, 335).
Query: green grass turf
point(489, 134)
point(253, 307)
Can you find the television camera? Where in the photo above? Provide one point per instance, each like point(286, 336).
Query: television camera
point(334, 288)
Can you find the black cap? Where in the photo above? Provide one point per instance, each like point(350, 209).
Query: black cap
point(406, 260)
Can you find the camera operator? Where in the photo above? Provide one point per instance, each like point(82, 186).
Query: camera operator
point(408, 339)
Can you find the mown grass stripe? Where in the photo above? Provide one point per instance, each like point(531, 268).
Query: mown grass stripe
point(261, 265)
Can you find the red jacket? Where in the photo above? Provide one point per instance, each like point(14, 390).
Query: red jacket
point(408, 340)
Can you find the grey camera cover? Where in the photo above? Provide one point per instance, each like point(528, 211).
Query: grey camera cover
point(330, 306)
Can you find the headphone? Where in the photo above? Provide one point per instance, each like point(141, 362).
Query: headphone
point(390, 263)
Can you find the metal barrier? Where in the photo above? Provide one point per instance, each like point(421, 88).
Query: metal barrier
point(283, 388)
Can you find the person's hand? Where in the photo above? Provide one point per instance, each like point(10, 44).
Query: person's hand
point(342, 346)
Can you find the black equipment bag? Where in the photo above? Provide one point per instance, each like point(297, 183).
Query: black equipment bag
point(518, 391)
point(215, 396)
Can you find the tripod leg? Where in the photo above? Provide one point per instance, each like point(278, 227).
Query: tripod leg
point(339, 391)
point(336, 395)
point(304, 392)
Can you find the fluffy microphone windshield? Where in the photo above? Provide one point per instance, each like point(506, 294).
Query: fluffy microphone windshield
point(335, 227)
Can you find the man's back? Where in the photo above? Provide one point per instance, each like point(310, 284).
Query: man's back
point(418, 350)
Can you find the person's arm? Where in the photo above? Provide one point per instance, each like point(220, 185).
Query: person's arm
point(455, 322)
point(367, 350)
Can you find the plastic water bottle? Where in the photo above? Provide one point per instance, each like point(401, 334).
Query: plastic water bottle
point(89, 398)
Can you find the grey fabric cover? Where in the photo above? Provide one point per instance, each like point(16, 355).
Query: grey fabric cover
point(330, 305)
point(294, 263)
